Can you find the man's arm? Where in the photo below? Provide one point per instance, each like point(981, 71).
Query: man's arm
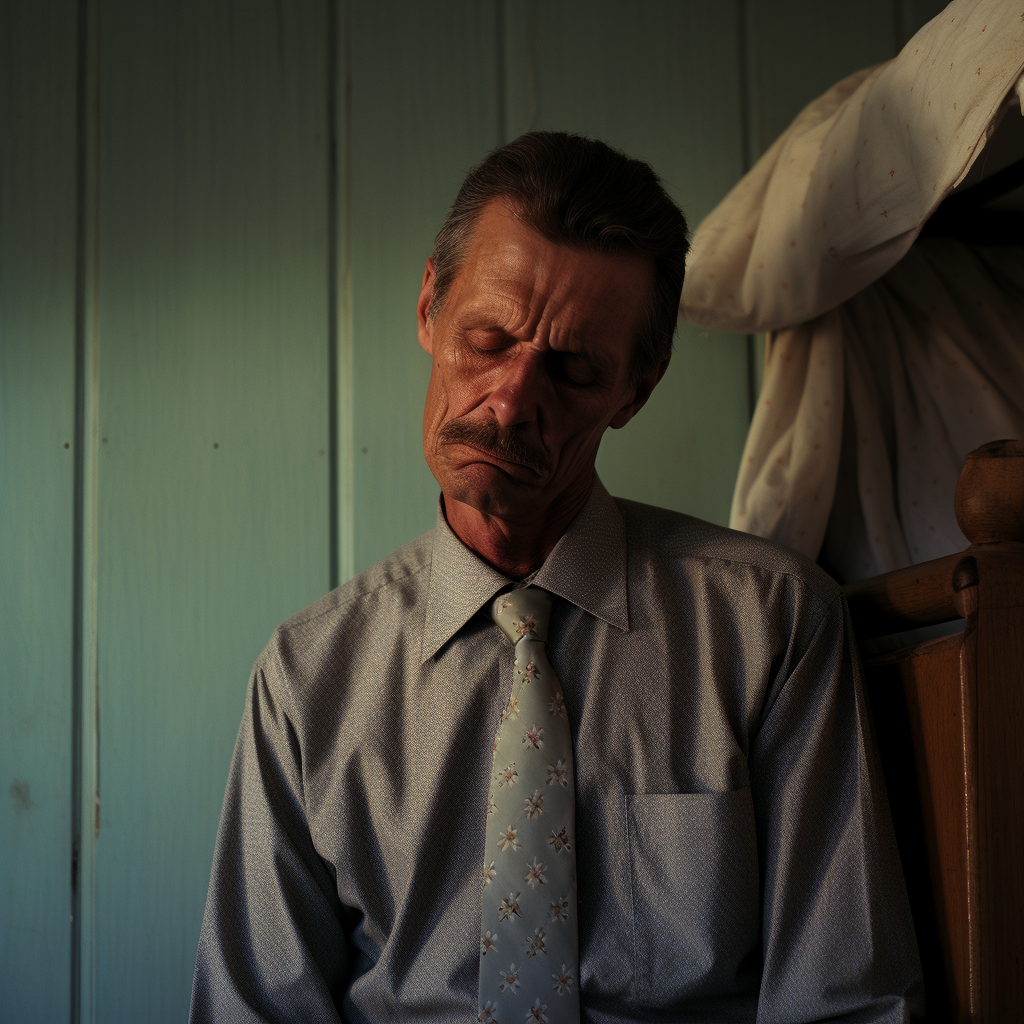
point(838, 938)
point(272, 946)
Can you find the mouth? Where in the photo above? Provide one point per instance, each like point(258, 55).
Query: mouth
point(506, 449)
point(499, 461)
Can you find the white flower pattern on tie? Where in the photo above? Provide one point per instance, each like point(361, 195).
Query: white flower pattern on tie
point(509, 907)
point(534, 805)
point(536, 1012)
point(510, 979)
point(511, 708)
point(558, 772)
point(541, 928)
point(559, 840)
point(560, 909)
point(563, 981)
point(535, 943)
point(527, 625)
point(535, 874)
point(557, 705)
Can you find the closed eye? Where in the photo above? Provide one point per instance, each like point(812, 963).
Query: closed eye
point(488, 341)
point(575, 370)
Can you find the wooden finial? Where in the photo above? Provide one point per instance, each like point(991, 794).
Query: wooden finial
point(989, 500)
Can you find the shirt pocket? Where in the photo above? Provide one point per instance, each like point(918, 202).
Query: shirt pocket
point(695, 892)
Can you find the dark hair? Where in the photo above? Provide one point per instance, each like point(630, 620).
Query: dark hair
point(581, 193)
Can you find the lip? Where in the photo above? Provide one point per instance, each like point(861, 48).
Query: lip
point(497, 460)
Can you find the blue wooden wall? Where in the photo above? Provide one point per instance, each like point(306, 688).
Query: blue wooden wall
point(213, 221)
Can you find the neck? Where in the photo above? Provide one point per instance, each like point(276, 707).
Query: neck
point(516, 547)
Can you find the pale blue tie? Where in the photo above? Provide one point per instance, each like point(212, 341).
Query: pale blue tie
point(529, 950)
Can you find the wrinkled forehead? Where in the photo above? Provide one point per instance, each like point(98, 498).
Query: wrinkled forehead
point(513, 274)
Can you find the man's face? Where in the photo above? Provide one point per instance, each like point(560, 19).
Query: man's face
point(531, 355)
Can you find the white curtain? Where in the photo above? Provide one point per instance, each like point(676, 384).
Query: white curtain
point(887, 360)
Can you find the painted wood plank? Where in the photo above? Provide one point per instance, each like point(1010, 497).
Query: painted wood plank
point(424, 110)
point(213, 504)
point(37, 457)
point(798, 49)
point(340, 311)
point(660, 81)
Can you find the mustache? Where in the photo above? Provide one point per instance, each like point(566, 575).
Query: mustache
point(508, 443)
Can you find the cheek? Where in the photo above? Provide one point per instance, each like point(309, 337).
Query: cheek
point(583, 427)
point(459, 385)
point(436, 406)
point(591, 414)
point(458, 370)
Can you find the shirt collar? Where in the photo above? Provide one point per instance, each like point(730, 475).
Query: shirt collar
point(588, 564)
point(586, 567)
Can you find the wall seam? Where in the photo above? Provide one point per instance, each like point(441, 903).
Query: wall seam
point(342, 503)
point(77, 556)
point(747, 149)
point(333, 384)
point(501, 71)
point(85, 661)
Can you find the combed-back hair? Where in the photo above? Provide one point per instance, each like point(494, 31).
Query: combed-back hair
point(581, 193)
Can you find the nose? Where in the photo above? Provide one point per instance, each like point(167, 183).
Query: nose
point(520, 390)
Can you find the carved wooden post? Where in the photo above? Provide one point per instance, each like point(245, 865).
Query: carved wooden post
point(962, 712)
point(989, 592)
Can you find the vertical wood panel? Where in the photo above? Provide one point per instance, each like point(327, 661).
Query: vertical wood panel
point(213, 463)
point(424, 109)
point(37, 457)
point(660, 81)
point(800, 48)
point(340, 111)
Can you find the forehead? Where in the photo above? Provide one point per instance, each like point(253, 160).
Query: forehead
point(529, 284)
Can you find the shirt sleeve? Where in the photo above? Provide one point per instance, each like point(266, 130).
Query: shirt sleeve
point(837, 934)
point(272, 945)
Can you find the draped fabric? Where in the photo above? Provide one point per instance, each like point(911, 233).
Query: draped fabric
point(868, 411)
point(889, 357)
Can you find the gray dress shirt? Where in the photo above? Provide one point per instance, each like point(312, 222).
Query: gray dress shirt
point(734, 849)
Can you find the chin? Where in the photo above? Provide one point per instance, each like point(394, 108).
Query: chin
point(487, 489)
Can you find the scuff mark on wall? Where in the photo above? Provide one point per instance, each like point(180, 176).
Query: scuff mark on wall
point(21, 794)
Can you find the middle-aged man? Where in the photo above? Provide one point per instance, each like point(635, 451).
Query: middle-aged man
point(564, 757)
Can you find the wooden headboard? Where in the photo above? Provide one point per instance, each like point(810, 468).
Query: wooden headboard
point(949, 719)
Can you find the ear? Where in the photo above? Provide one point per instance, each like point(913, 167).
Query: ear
point(424, 325)
point(640, 395)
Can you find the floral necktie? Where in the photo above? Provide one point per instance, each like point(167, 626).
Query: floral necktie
point(529, 953)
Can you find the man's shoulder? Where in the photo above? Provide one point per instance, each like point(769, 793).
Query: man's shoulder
point(399, 570)
point(390, 589)
point(673, 537)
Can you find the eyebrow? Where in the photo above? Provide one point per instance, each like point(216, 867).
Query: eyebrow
point(574, 345)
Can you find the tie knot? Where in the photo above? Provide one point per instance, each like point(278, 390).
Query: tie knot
point(523, 613)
